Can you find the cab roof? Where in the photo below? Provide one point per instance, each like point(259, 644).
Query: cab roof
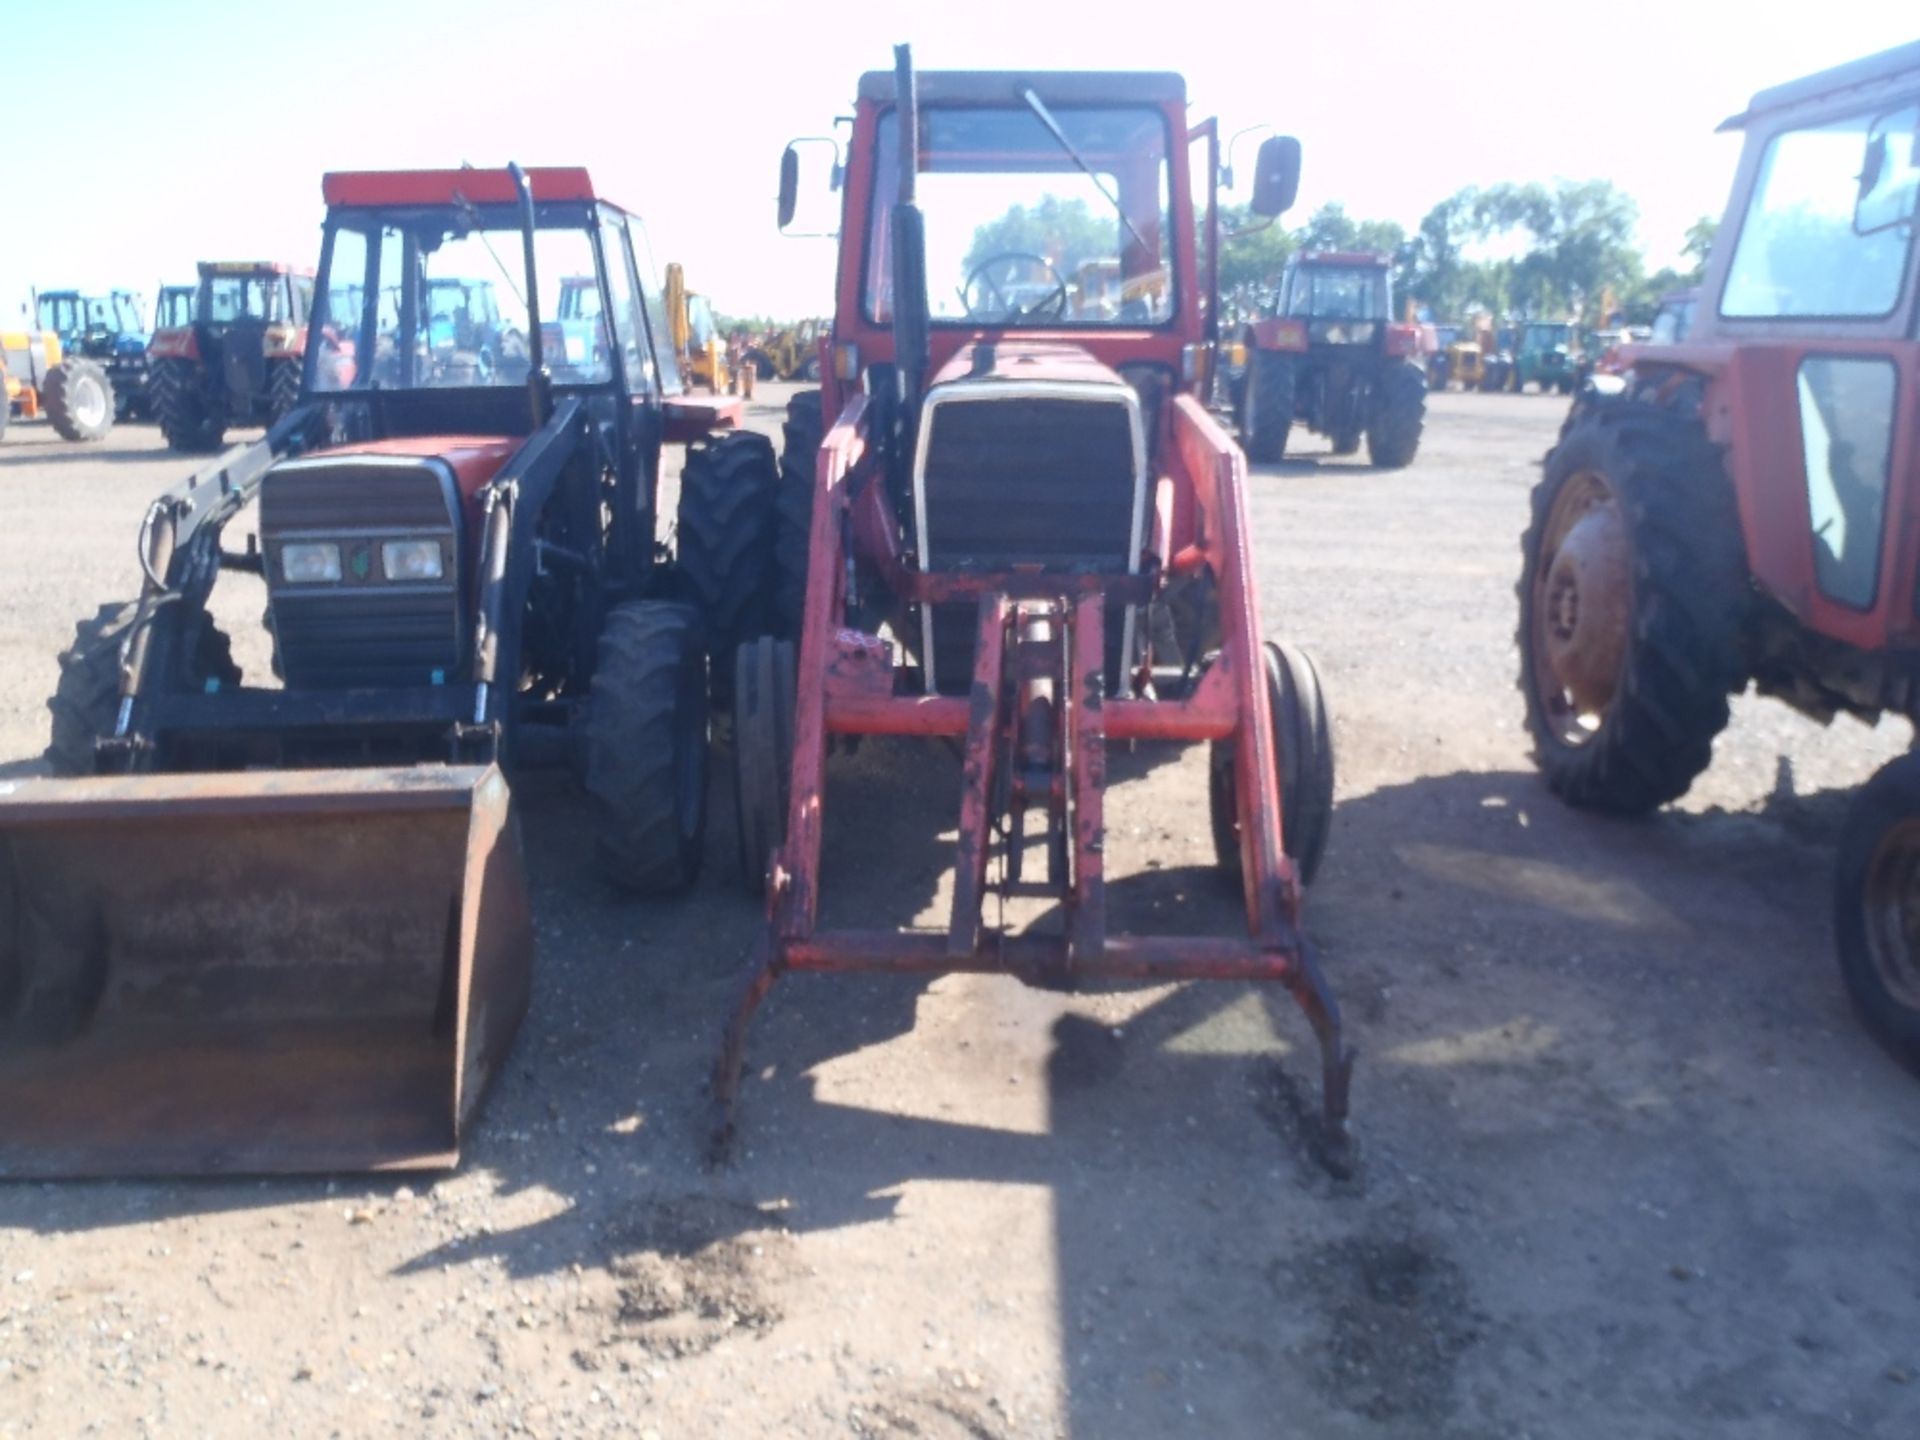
point(1346, 257)
point(253, 267)
point(1871, 71)
point(1003, 87)
point(445, 187)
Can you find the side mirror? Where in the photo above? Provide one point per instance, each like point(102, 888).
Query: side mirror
point(1276, 176)
point(789, 185)
point(1888, 194)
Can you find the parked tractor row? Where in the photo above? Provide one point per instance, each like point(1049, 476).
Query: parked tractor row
point(284, 925)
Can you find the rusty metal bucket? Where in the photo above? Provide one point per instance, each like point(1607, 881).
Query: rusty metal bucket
point(255, 972)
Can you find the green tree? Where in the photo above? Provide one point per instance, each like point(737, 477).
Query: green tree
point(1063, 232)
point(1699, 244)
point(1253, 254)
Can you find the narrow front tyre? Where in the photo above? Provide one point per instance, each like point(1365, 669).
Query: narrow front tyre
point(1876, 907)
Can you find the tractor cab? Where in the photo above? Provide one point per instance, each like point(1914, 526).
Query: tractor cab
point(1337, 290)
point(174, 307)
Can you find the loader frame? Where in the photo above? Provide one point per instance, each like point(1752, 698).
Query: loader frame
point(1037, 719)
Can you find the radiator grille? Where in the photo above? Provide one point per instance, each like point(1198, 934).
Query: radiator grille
point(1053, 480)
point(1030, 480)
point(363, 631)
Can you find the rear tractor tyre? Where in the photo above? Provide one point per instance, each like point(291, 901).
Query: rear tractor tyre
point(1633, 590)
point(283, 389)
point(726, 535)
point(1400, 414)
point(1876, 907)
point(646, 747)
point(86, 699)
point(1303, 745)
point(763, 701)
point(79, 400)
point(188, 419)
point(805, 428)
point(1268, 412)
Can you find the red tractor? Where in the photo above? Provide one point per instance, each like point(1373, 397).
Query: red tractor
point(1327, 355)
point(278, 921)
point(1011, 523)
point(1744, 508)
point(239, 361)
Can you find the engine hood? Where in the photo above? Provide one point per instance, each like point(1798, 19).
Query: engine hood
point(473, 459)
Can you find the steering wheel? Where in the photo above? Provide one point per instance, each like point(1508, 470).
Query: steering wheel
point(985, 294)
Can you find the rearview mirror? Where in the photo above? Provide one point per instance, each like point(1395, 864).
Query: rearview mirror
point(1276, 176)
point(1889, 182)
point(789, 184)
point(804, 197)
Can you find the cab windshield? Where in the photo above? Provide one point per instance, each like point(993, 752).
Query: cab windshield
point(176, 307)
point(127, 318)
point(60, 314)
point(436, 297)
point(1326, 292)
point(226, 298)
point(1018, 234)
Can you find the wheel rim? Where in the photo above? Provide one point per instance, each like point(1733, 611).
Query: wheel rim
point(89, 402)
point(1582, 593)
point(1891, 900)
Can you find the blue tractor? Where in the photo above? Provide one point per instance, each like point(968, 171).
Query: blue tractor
point(109, 330)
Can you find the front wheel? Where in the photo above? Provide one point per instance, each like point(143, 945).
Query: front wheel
point(86, 700)
point(1303, 746)
point(645, 747)
point(1876, 907)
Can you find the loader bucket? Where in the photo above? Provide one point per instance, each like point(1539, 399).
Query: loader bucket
point(255, 972)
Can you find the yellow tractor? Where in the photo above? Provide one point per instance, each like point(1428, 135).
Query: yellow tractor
point(697, 345)
point(38, 379)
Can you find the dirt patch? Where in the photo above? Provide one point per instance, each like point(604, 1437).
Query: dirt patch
point(1397, 1314)
point(692, 1270)
point(924, 1415)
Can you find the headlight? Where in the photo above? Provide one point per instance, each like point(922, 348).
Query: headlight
point(576, 350)
point(310, 564)
point(1360, 334)
point(411, 559)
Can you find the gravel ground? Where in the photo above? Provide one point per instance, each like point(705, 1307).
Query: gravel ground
point(1629, 1168)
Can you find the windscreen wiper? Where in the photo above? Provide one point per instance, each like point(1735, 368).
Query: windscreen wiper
point(1035, 104)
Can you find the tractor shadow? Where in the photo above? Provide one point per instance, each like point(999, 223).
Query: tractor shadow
point(1511, 971)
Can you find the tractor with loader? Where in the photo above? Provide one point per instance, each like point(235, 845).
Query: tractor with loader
point(239, 360)
point(1009, 522)
point(1327, 355)
point(1744, 510)
point(279, 922)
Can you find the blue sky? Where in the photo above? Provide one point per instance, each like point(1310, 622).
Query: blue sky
point(202, 131)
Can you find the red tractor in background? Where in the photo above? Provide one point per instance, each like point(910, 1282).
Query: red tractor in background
point(1009, 521)
point(239, 361)
point(1746, 507)
point(1328, 355)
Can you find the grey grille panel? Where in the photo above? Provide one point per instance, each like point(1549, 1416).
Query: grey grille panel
point(1030, 480)
point(364, 631)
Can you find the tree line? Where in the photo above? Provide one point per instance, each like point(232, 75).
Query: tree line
point(1526, 250)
